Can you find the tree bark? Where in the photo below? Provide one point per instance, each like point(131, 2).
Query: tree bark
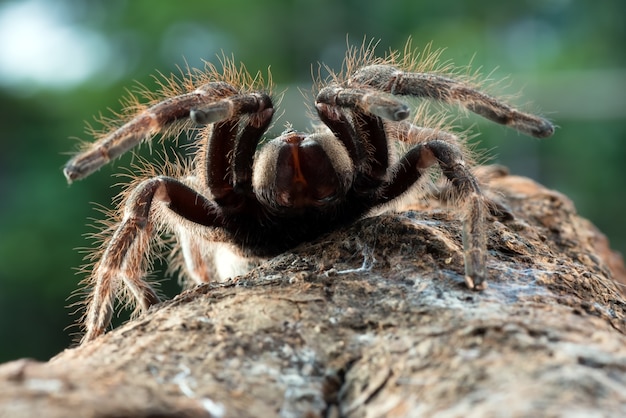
point(373, 320)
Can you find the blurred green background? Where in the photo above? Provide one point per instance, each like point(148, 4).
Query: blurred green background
point(63, 61)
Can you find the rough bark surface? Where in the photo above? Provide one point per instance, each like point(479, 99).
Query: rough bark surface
point(374, 320)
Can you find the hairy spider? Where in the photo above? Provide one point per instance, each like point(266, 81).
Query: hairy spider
point(264, 200)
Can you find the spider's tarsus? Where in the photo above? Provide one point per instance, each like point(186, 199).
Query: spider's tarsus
point(72, 172)
point(544, 129)
point(82, 166)
point(531, 125)
point(70, 176)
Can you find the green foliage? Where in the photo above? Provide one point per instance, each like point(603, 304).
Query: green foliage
point(548, 47)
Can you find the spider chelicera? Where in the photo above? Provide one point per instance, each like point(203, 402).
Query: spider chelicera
point(263, 199)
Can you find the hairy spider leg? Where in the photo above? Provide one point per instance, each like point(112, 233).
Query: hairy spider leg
point(215, 163)
point(125, 257)
point(440, 148)
point(142, 127)
point(343, 129)
point(387, 78)
point(229, 151)
point(207, 104)
point(365, 142)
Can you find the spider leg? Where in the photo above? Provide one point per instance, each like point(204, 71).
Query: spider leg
point(365, 139)
point(389, 79)
point(440, 148)
point(127, 250)
point(227, 157)
point(343, 128)
point(209, 103)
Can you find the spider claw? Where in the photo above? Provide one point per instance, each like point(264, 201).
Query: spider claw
point(70, 174)
point(76, 170)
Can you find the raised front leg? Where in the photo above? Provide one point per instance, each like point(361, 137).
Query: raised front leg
point(390, 79)
point(209, 103)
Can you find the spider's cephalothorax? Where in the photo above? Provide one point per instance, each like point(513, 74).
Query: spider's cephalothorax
point(265, 200)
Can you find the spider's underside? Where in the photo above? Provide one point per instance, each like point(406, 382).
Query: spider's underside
point(266, 200)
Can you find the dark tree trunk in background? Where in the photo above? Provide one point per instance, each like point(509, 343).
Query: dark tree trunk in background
point(374, 320)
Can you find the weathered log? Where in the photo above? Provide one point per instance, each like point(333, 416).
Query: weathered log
point(373, 320)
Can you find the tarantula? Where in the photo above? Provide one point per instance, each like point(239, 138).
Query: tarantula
point(264, 200)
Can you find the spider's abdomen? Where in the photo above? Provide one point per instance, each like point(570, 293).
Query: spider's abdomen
point(296, 171)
